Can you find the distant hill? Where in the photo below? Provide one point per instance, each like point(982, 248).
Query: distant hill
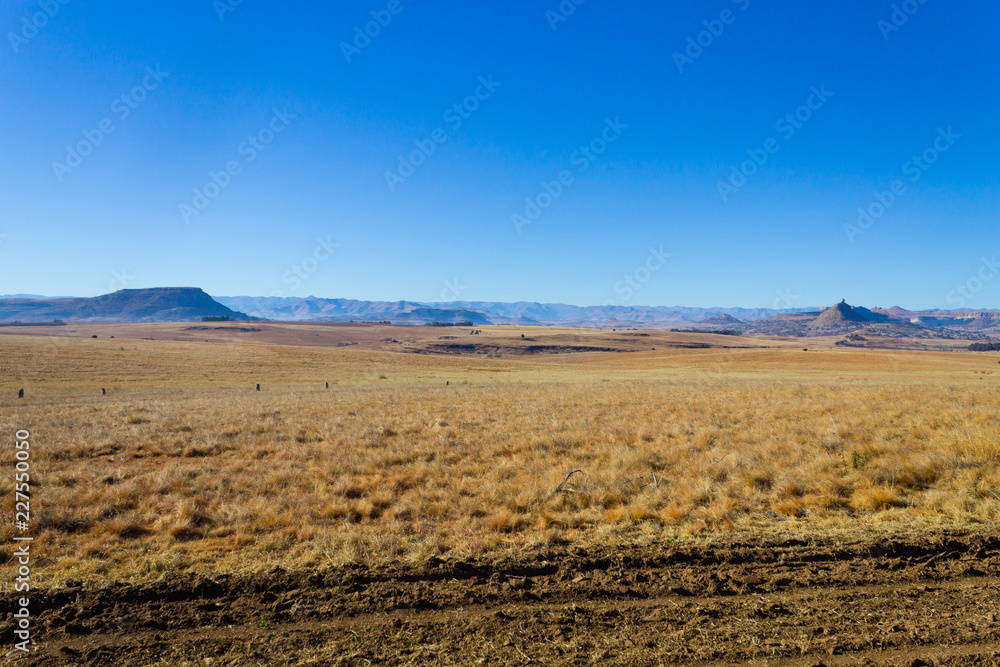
point(721, 320)
point(160, 304)
point(895, 322)
point(842, 316)
point(970, 320)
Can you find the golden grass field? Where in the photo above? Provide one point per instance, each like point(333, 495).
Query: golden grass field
point(184, 466)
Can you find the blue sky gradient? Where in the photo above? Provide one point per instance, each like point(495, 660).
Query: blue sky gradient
point(312, 211)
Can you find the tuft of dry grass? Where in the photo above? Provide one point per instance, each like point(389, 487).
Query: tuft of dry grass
point(875, 498)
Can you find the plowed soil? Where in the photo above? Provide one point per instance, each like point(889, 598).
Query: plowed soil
point(918, 599)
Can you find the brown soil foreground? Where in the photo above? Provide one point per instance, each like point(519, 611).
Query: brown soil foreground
point(917, 599)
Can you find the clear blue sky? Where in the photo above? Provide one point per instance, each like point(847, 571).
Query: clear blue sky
point(446, 230)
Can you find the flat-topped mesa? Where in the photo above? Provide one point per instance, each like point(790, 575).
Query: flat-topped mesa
point(156, 304)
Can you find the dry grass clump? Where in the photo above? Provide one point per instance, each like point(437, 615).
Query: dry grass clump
point(875, 498)
point(154, 480)
point(505, 521)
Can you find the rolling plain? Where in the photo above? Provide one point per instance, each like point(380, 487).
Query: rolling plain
point(520, 495)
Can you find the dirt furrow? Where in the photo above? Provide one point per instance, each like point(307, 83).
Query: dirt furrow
point(934, 598)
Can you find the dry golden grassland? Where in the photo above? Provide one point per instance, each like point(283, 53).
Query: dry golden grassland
point(184, 466)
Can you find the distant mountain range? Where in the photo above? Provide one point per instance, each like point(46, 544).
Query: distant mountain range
point(28, 296)
point(191, 304)
point(313, 309)
point(485, 312)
